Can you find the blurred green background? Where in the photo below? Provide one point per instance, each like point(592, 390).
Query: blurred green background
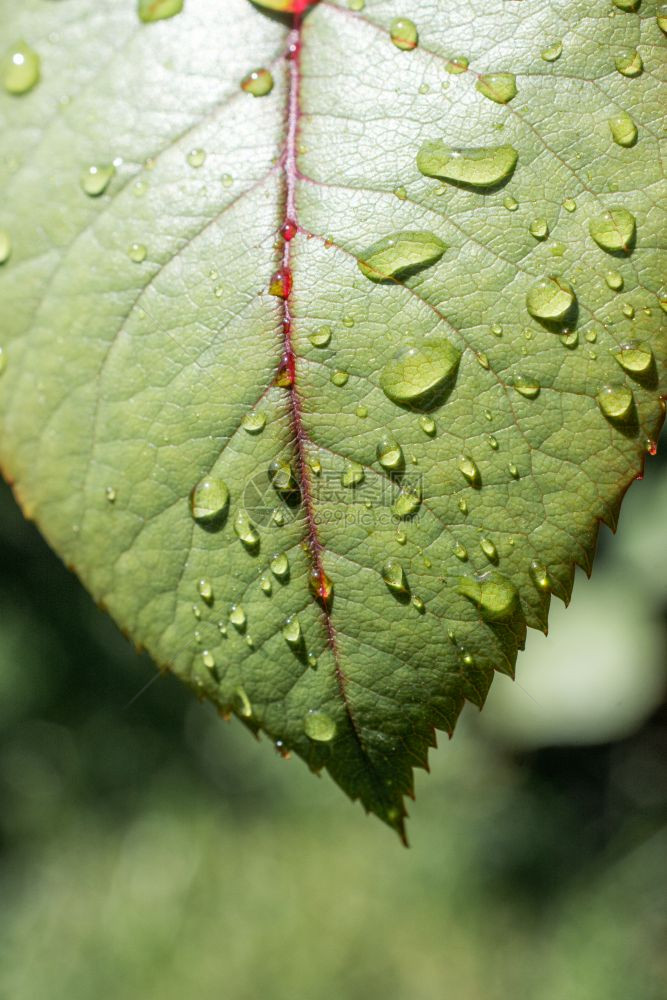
point(149, 850)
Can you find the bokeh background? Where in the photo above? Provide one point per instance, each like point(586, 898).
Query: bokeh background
point(149, 850)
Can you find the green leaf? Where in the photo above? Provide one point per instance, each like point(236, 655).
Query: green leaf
point(331, 505)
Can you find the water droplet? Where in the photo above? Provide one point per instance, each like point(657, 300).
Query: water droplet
point(628, 310)
point(241, 703)
point(408, 501)
point(393, 575)
point(401, 536)
point(95, 179)
point(513, 470)
point(510, 203)
point(613, 230)
point(361, 412)
point(279, 565)
point(570, 205)
point(5, 246)
point(615, 280)
point(314, 465)
point(281, 283)
point(489, 549)
point(320, 586)
point(321, 337)
point(539, 228)
point(356, 5)
point(291, 631)
point(157, 10)
point(389, 453)
point(352, 474)
point(551, 299)
point(265, 584)
point(467, 658)
point(570, 339)
point(492, 442)
point(196, 611)
point(616, 402)
point(591, 336)
point(497, 330)
point(137, 252)
point(552, 52)
point(208, 660)
point(400, 255)
point(427, 424)
point(557, 250)
point(196, 157)
point(418, 375)
point(540, 576)
point(259, 82)
point(205, 591)
point(253, 422)
point(476, 168)
point(418, 604)
point(340, 378)
point(661, 17)
point(237, 617)
point(463, 505)
point(20, 69)
point(494, 595)
point(460, 551)
point(319, 726)
point(403, 33)
point(227, 180)
point(469, 470)
point(634, 357)
point(312, 660)
point(348, 321)
point(526, 386)
point(401, 193)
point(209, 500)
point(498, 87)
point(623, 129)
point(628, 62)
point(458, 64)
point(109, 492)
point(245, 530)
point(626, 5)
point(282, 477)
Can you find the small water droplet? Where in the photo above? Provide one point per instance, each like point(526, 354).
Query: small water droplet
point(352, 474)
point(209, 500)
point(282, 477)
point(291, 631)
point(259, 82)
point(634, 357)
point(497, 330)
point(540, 576)
point(361, 412)
point(539, 228)
point(245, 530)
point(279, 565)
point(661, 17)
point(340, 378)
point(494, 595)
point(321, 337)
point(551, 299)
point(205, 591)
point(492, 442)
point(427, 424)
point(208, 659)
point(109, 492)
point(626, 5)
point(477, 168)
point(241, 703)
point(5, 246)
point(137, 252)
point(498, 87)
point(570, 205)
point(281, 283)
point(613, 230)
point(615, 280)
point(552, 52)
point(628, 62)
point(253, 422)
point(320, 586)
point(418, 375)
point(319, 726)
point(20, 69)
point(526, 386)
point(196, 157)
point(616, 402)
point(489, 549)
point(394, 576)
point(265, 584)
point(623, 129)
point(408, 501)
point(458, 64)
point(227, 180)
point(237, 617)
point(463, 505)
point(628, 310)
point(591, 336)
point(403, 33)
point(460, 551)
point(510, 203)
point(95, 179)
point(469, 470)
point(157, 10)
point(513, 470)
point(401, 193)
point(418, 604)
point(400, 255)
point(389, 453)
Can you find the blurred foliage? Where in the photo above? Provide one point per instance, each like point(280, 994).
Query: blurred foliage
point(150, 851)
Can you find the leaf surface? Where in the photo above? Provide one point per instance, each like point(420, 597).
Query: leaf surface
point(398, 316)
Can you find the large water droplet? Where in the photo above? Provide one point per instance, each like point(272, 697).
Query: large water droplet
point(498, 87)
point(253, 422)
point(408, 501)
point(157, 10)
point(526, 386)
point(20, 69)
point(259, 83)
point(209, 500)
point(390, 454)
point(616, 402)
point(281, 283)
point(552, 52)
point(476, 168)
point(613, 230)
point(634, 357)
point(614, 280)
point(539, 228)
point(419, 376)
point(245, 530)
point(628, 62)
point(403, 33)
point(137, 252)
point(551, 299)
point(291, 631)
point(494, 595)
point(321, 337)
point(339, 378)
point(95, 179)
point(5, 246)
point(400, 255)
point(196, 157)
point(319, 726)
point(623, 129)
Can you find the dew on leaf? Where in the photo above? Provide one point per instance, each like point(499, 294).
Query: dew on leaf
point(137, 252)
point(95, 179)
point(320, 586)
point(389, 453)
point(469, 470)
point(463, 505)
point(498, 87)
point(279, 565)
point(157, 10)
point(458, 64)
point(281, 283)
point(339, 378)
point(628, 310)
point(407, 502)
point(245, 529)
point(401, 193)
point(551, 299)
point(403, 33)
point(291, 632)
point(196, 157)
point(489, 549)
point(494, 595)
point(661, 17)
point(5, 246)
point(513, 470)
point(623, 129)
point(109, 491)
point(510, 203)
point(628, 62)
point(492, 442)
point(361, 412)
point(616, 402)
point(418, 375)
point(400, 255)
point(540, 576)
point(265, 584)
point(539, 228)
point(394, 576)
point(259, 82)
point(321, 337)
point(282, 477)
point(348, 321)
point(615, 280)
point(613, 230)
point(552, 52)
point(319, 726)
point(227, 180)
point(634, 357)
point(20, 69)
point(209, 500)
point(526, 386)
point(483, 360)
point(460, 551)
point(497, 330)
point(205, 590)
point(241, 703)
point(237, 617)
point(352, 474)
point(570, 339)
point(473, 167)
point(253, 422)
point(401, 537)
point(626, 5)
point(427, 424)
point(570, 205)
